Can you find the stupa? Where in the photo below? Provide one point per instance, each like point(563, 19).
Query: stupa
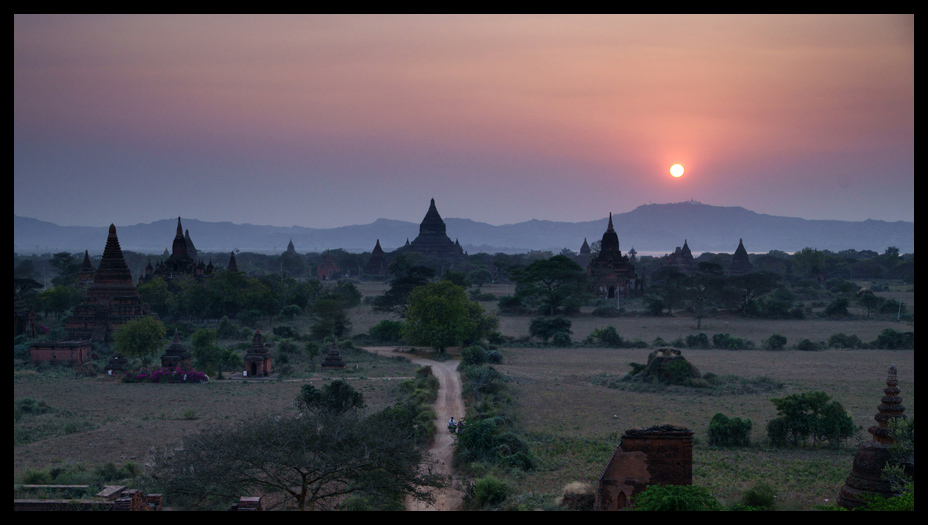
point(258, 359)
point(333, 360)
point(740, 264)
point(866, 475)
point(377, 264)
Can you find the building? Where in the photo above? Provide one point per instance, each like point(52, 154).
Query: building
point(377, 264)
point(611, 274)
point(433, 241)
point(740, 264)
point(181, 261)
point(111, 300)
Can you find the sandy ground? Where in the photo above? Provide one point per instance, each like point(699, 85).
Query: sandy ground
point(449, 404)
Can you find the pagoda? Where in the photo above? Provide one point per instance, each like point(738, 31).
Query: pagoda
point(377, 264)
point(110, 300)
point(740, 264)
point(866, 477)
point(611, 273)
point(333, 360)
point(176, 355)
point(258, 359)
point(433, 240)
point(181, 261)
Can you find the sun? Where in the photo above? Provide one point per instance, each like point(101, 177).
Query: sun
point(676, 170)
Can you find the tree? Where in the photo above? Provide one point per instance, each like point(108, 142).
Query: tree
point(809, 415)
point(440, 315)
point(67, 267)
point(407, 277)
point(310, 462)
point(555, 285)
point(140, 337)
point(336, 397)
point(59, 299)
point(545, 329)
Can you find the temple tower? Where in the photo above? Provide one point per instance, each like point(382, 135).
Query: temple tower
point(258, 359)
point(866, 474)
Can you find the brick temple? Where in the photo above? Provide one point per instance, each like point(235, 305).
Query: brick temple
point(433, 241)
point(110, 300)
point(611, 273)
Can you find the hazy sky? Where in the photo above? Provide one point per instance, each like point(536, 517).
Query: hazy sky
point(324, 121)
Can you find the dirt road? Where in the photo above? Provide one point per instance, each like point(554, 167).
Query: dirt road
point(449, 404)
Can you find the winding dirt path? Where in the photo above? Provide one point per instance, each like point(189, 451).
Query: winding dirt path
point(449, 404)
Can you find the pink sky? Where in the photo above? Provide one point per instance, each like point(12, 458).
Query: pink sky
point(322, 121)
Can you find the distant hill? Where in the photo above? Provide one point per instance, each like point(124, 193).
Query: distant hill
point(650, 229)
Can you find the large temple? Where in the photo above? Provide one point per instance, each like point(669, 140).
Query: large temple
point(611, 273)
point(181, 261)
point(681, 260)
point(432, 240)
point(110, 300)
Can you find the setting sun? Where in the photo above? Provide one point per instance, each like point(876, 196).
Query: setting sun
point(676, 170)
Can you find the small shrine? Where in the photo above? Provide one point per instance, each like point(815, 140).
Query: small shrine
point(740, 264)
point(258, 358)
point(866, 475)
point(176, 355)
point(333, 360)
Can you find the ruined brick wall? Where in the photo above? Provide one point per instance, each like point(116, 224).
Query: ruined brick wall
point(660, 455)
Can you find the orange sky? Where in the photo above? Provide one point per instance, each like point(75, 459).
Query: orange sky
point(345, 119)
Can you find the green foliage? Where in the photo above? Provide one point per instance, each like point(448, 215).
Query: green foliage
point(837, 308)
point(334, 398)
point(140, 337)
point(608, 337)
point(809, 415)
point(561, 339)
point(490, 490)
point(809, 346)
point(760, 495)
point(775, 342)
point(545, 328)
point(890, 339)
point(700, 340)
point(904, 501)
point(488, 440)
point(676, 498)
point(841, 340)
point(387, 331)
point(725, 341)
point(729, 432)
point(551, 286)
point(473, 355)
point(440, 315)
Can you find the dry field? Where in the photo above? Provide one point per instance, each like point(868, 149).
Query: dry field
point(574, 425)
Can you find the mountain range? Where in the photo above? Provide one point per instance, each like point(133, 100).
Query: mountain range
point(652, 229)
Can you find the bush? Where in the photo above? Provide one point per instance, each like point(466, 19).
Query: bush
point(809, 415)
point(725, 341)
point(490, 490)
point(473, 355)
point(698, 341)
point(775, 342)
point(561, 339)
point(544, 328)
point(676, 498)
point(729, 432)
point(387, 331)
point(841, 340)
point(808, 346)
point(607, 336)
point(760, 495)
point(890, 339)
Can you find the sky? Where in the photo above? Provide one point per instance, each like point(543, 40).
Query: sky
point(326, 121)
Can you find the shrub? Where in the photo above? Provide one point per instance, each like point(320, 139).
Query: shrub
point(490, 490)
point(676, 498)
point(494, 357)
point(729, 432)
point(841, 340)
point(473, 355)
point(544, 328)
point(837, 308)
point(698, 341)
point(728, 342)
point(561, 339)
point(387, 331)
point(775, 342)
point(890, 339)
point(809, 346)
point(809, 415)
point(607, 336)
point(760, 495)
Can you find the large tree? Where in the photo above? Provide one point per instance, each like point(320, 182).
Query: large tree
point(553, 286)
point(309, 462)
point(440, 315)
point(140, 337)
